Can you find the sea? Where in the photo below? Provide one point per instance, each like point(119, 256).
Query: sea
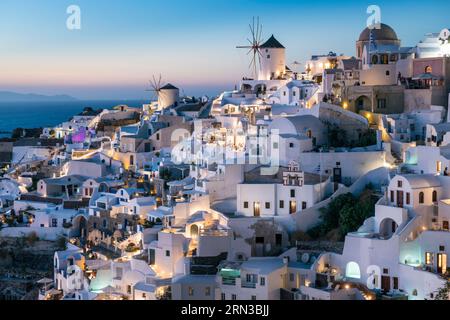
point(49, 114)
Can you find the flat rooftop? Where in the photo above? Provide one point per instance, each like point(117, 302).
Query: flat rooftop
point(255, 177)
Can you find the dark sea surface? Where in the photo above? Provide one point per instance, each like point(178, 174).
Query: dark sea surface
point(49, 114)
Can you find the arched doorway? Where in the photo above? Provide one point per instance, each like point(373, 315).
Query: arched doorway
point(194, 232)
point(353, 271)
point(363, 103)
point(388, 227)
point(260, 89)
point(246, 88)
point(80, 228)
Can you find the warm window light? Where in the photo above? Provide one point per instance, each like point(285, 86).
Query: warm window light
point(345, 105)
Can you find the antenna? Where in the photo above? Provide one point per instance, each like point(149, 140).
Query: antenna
point(254, 48)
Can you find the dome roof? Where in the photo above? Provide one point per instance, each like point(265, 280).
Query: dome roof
point(384, 33)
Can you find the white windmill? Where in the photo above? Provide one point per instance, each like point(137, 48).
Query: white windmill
point(254, 47)
point(167, 95)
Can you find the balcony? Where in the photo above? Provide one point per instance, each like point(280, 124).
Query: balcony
point(249, 285)
point(229, 281)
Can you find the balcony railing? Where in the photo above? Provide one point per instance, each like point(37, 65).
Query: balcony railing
point(229, 281)
point(249, 285)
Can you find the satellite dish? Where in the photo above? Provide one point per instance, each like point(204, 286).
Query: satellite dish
point(305, 258)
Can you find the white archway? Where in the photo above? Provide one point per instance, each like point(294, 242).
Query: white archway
point(352, 270)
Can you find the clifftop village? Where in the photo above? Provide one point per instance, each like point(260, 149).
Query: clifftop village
point(325, 184)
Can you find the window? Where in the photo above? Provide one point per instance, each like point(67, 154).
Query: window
point(246, 205)
point(441, 248)
point(291, 145)
point(294, 93)
point(167, 253)
point(144, 296)
point(253, 297)
point(157, 136)
point(281, 204)
point(129, 289)
point(395, 283)
point(434, 196)
point(381, 103)
point(392, 196)
point(278, 239)
point(388, 73)
point(385, 271)
point(267, 205)
point(208, 291)
point(54, 223)
point(223, 296)
point(262, 281)
point(421, 198)
point(191, 291)
point(428, 258)
point(233, 297)
point(292, 193)
point(408, 198)
point(268, 56)
point(291, 277)
point(400, 184)
point(304, 205)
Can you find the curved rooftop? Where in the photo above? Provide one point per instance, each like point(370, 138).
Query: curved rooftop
point(420, 181)
point(385, 33)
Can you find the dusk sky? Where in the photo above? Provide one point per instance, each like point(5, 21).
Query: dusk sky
point(192, 43)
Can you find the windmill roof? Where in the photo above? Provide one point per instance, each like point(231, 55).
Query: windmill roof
point(169, 86)
point(272, 43)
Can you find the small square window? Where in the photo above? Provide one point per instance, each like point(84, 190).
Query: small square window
point(400, 184)
point(385, 271)
point(167, 253)
point(267, 205)
point(262, 281)
point(245, 205)
point(292, 193)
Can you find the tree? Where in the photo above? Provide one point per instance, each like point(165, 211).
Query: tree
point(32, 238)
point(345, 214)
point(61, 243)
point(443, 293)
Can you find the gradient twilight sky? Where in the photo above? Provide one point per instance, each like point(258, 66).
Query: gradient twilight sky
point(190, 42)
